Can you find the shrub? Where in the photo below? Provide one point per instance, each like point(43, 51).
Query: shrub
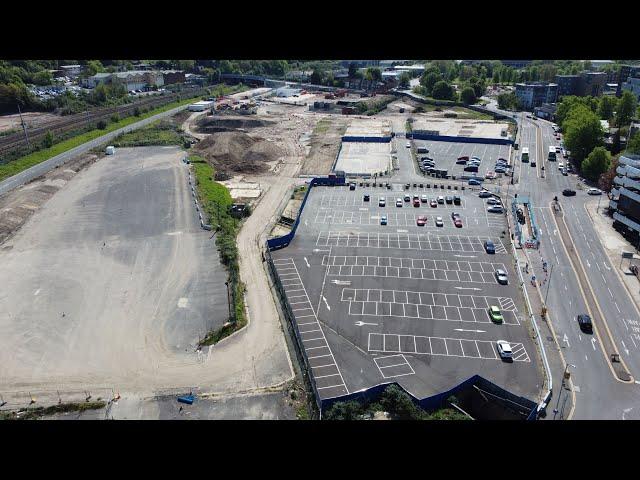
point(115, 118)
point(101, 125)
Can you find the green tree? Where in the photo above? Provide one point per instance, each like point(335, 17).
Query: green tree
point(42, 78)
point(376, 74)
point(606, 107)
point(583, 132)
point(468, 96)
point(496, 76)
point(316, 77)
point(92, 67)
point(352, 70)
point(404, 80)
point(428, 80)
point(442, 91)
point(47, 141)
point(633, 145)
point(351, 410)
point(597, 163)
point(399, 404)
point(507, 101)
point(626, 108)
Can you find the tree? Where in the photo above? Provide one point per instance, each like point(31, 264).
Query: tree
point(428, 80)
point(316, 77)
point(375, 73)
point(605, 182)
point(507, 101)
point(351, 410)
point(92, 67)
point(496, 76)
point(442, 91)
point(598, 162)
point(352, 70)
point(398, 403)
point(404, 80)
point(583, 132)
point(633, 145)
point(468, 96)
point(626, 108)
point(606, 107)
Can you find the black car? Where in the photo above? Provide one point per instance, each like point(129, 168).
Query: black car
point(471, 168)
point(366, 197)
point(352, 186)
point(585, 323)
point(456, 200)
point(449, 200)
point(489, 246)
point(567, 192)
point(406, 186)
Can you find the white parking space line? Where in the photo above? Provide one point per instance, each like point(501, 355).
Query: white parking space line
point(399, 366)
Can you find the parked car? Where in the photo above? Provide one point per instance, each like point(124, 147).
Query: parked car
point(495, 209)
point(440, 199)
point(560, 166)
point(383, 220)
point(408, 145)
point(456, 200)
point(471, 168)
point(416, 202)
point(491, 175)
point(564, 172)
point(382, 202)
point(474, 181)
point(461, 161)
point(533, 163)
point(455, 215)
point(476, 158)
point(424, 199)
point(433, 203)
point(567, 192)
point(504, 349)
point(594, 191)
point(448, 199)
point(584, 321)
point(485, 194)
point(500, 170)
point(421, 220)
point(366, 197)
point(352, 186)
point(464, 157)
point(489, 247)
point(493, 201)
point(439, 222)
point(501, 277)
point(407, 198)
point(495, 314)
point(457, 222)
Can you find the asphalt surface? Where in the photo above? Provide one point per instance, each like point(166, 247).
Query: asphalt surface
point(42, 168)
point(598, 394)
point(402, 302)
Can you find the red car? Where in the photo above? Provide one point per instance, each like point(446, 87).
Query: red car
point(434, 204)
point(465, 158)
point(421, 221)
point(416, 202)
point(457, 222)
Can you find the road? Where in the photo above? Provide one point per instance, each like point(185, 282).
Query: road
point(599, 395)
point(42, 168)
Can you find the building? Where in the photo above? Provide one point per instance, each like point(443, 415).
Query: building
point(71, 71)
point(95, 80)
point(633, 129)
point(632, 85)
point(625, 197)
point(626, 72)
point(546, 111)
point(173, 76)
point(533, 95)
point(599, 64)
point(412, 69)
point(136, 79)
point(585, 84)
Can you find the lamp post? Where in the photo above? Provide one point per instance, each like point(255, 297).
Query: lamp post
point(555, 410)
point(228, 300)
point(548, 285)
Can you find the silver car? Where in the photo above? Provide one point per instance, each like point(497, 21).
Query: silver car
point(501, 277)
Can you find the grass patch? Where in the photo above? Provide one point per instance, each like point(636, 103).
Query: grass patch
point(322, 127)
point(37, 412)
point(216, 201)
point(372, 107)
point(16, 166)
point(162, 132)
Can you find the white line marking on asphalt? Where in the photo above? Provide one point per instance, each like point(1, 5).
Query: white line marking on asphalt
point(617, 307)
point(36, 292)
point(580, 337)
point(565, 287)
point(465, 256)
point(593, 343)
point(610, 292)
point(586, 358)
point(474, 331)
point(599, 269)
point(626, 350)
point(360, 323)
point(341, 282)
point(467, 288)
point(565, 339)
point(634, 343)
point(326, 303)
point(588, 264)
point(604, 279)
point(402, 231)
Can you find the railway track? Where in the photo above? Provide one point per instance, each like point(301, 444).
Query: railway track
point(75, 122)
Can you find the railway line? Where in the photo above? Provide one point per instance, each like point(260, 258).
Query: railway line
point(75, 122)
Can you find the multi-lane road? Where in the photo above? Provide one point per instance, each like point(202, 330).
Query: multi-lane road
point(598, 393)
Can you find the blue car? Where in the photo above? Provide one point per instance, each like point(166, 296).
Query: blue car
point(474, 181)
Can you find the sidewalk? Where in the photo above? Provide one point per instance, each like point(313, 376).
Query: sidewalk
point(614, 244)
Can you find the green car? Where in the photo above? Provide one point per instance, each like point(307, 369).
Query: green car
point(495, 314)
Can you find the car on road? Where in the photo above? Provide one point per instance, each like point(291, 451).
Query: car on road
point(439, 222)
point(382, 202)
point(455, 215)
point(407, 198)
point(474, 181)
point(594, 191)
point(485, 194)
point(500, 170)
point(560, 166)
point(567, 192)
point(495, 209)
point(366, 197)
point(440, 199)
point(398, 202)
point(564, 172)
point(584, 321)
point(456, 200)
point(383, 220)
point(503, 160)
point(424, 199)
point(416, 202)
point(408, 145)
point(504, 349)
point(501, 277)
point(489, 247)
point(478, 159)
point(533, 163)
point(421, 220)
point(490, 175)
point(495, 314)
point(493, 201)
point(433, 203)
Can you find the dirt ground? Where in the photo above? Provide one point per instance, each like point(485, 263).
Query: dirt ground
point(325, 143)
point(32, 119)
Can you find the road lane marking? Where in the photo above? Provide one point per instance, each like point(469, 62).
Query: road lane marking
point(326, 303)
point(616, 307)
point(307, 262)
point(610, 292)
point(593, 343)
point(626, 350)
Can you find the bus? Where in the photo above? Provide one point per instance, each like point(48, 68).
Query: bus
point(525, 155)
point(552, 154)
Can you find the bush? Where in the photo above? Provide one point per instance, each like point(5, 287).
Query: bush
point(136, 112)
point(101, 125)
point(115, 118)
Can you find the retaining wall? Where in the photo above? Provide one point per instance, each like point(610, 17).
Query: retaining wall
point(449, 138)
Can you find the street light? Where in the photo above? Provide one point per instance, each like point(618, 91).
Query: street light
point(228, 300)
point(564, 374)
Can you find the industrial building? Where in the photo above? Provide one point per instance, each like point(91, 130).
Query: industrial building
point(431, 128)
point(137, 79)
point(545, 111)
point(533, 95)
point(625, 197)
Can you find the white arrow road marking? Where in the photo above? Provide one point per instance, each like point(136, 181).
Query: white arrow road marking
point(555, 231)
point(474, 331)
point(363, 209)
point(316, 250)
point(306, 223)
point(626, 350)
point(467, 288)
point(593, 343)
point(606, 266)
point(306, 261)
point(465, 256)
point(588, 264)
point(341, 282)
point(565, 339)
point(402, 231)
point(360, 323)
point(326, 303)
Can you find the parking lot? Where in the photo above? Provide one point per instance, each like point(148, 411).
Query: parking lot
point(445, 155)
point(376, 303)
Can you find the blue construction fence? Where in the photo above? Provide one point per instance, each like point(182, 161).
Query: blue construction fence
point(281, 242)
point(367, 139)
point(438, 400)
point(449, 138)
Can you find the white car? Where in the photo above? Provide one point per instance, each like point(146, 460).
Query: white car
point(382, 202)
point(398, 202)
point(504, 349)
point(558, 150)
point(594, 191)
point(560, 166)
point(493, 201)
point(439, 222)
point(408, 145)
point(424, 199)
